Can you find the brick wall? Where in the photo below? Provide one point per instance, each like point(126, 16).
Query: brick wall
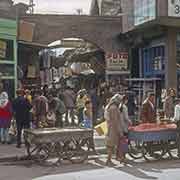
point(103, 31)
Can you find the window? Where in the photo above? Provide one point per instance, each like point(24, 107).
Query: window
point(153, 59)
point(6, 70)
point(6, 49)
point(144, 10)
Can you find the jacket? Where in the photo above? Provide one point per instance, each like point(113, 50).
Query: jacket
point(148, 113)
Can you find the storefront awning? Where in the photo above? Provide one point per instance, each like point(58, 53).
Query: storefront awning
point(32, 44)
point(84, 56)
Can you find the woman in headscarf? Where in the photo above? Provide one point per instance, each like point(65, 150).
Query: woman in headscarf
point(5, 117)
point(124, 114)
point(112, 117)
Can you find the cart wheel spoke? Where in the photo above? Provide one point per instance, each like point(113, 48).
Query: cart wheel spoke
point(135, 150)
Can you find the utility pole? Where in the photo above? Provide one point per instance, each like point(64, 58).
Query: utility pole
point(31, 6)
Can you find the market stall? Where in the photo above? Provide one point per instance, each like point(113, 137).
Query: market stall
point(152, 141)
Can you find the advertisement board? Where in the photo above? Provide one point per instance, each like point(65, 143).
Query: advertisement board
point(117, 61)
point(174, 8)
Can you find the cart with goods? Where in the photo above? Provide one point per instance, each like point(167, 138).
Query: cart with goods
point(61, 144)
point(153, 141)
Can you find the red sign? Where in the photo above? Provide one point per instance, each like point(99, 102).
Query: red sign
point(117, 61)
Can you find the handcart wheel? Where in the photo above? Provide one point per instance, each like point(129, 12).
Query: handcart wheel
point(172, 149)
point(78, 157)
point(153, 150)
point(42, 153)
point(135, 149)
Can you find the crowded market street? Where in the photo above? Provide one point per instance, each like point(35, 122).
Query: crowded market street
point(89, 89)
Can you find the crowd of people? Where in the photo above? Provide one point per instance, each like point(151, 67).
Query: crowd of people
point(48, 108)
point(118, 121)
point(45, 108)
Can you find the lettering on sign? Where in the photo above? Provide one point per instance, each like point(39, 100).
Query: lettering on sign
point(117, 61)
point(174, 8)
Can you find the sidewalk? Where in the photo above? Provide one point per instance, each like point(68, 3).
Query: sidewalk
point(10, 152)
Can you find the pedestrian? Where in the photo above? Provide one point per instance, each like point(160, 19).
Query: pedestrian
point(114, 129)
point(88, 115)
point(169, 103)
point(131, 107)
point(51, 117)
point(93, 96)
point(58, 107)
point(125, 123)
point(40, 109)
point(148, 112)
point(21, 108)
point(5, 117)
point(176, 118)
point(28, 95)
point(124, 115)
point(80, 103)
point(69, 100)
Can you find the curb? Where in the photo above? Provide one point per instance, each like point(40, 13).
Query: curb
point(13, 158)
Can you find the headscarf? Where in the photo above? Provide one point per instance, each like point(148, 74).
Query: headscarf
point(116, 99)
point(3, 99)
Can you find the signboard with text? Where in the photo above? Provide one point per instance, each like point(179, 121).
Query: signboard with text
point(174, 8)
point(117, 61)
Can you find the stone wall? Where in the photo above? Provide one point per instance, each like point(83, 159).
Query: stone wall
point(102, 31)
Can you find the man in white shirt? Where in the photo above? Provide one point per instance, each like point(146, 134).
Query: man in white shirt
point(177, 111)
point(177, 120)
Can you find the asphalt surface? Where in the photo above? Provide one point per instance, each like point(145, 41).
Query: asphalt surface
point(91, 170)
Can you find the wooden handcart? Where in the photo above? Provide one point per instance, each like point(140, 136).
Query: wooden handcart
point(153, 141)
point(62, 144)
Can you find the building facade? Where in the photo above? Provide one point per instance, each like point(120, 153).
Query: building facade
point(8, 55)
point(152, 29)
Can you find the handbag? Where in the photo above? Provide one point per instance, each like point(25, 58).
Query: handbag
point(13, 129)
point(123, 144)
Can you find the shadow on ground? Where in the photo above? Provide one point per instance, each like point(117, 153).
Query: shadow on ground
point(142, 170)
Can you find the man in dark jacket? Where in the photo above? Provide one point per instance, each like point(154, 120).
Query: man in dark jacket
point(148, 112)
point(21, 108)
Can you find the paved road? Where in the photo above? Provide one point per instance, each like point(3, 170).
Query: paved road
point(92, 170)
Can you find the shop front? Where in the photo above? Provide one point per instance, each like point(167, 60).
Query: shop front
point(117, 70)
point(8, 55)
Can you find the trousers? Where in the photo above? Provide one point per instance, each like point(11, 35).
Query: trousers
point(4, 133)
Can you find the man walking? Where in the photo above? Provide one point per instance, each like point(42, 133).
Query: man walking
point(69, 100)
point(21, 108)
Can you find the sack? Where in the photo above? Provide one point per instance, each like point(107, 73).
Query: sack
point(101, 128)
point(123, 144)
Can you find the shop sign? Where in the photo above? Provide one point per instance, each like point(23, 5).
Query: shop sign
point(174, 8)
point(117, 61)
point(2, 49)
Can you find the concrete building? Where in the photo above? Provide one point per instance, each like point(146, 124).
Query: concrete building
point(105, 7)
point(5, 4)
point(153, 32)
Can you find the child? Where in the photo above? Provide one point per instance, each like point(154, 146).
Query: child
point(51, 118)
point(87, 115)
